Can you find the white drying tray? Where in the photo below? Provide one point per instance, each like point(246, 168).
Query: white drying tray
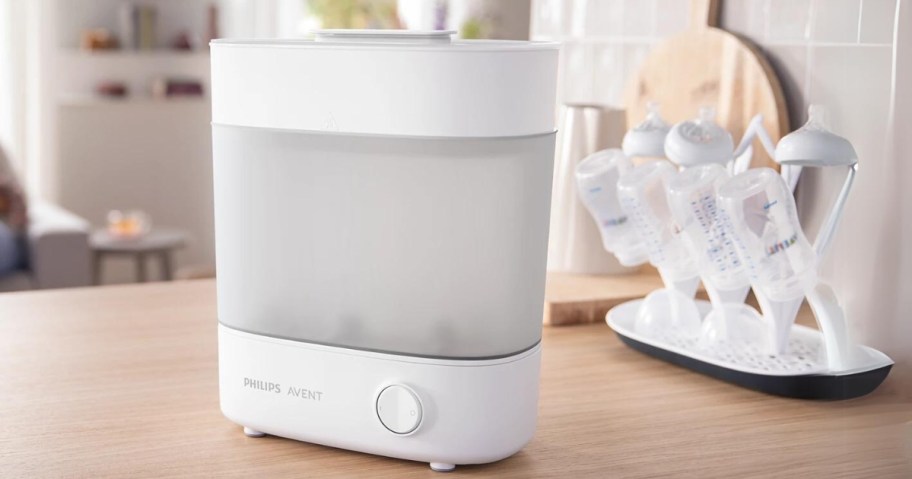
point(802, 372)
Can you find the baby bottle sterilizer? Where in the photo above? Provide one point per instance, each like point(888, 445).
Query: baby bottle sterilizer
point(381, 215)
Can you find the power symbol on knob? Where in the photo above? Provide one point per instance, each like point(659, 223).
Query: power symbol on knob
point(399, 409)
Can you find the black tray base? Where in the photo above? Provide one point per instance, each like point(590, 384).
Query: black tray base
point(807, 386)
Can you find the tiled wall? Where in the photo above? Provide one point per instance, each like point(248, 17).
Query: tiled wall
point(838, 53)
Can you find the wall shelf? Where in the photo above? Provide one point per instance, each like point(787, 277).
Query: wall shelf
point(138, 101)
point(143, 54)
point(143, 152)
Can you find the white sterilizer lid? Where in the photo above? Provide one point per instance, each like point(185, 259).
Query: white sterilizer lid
point(386, 82)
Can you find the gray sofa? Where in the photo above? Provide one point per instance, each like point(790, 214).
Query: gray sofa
point(59, 254)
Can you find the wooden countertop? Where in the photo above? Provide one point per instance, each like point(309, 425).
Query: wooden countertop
point(122, 382)
point(572, 299)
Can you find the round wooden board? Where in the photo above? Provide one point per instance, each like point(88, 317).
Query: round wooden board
point(710, 67)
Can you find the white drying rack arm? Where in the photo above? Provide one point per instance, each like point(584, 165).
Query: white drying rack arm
point(828, 230)
point(790, 173)
point(841, 353)
point(829, 313)
point(741, 162)
point(745, 151)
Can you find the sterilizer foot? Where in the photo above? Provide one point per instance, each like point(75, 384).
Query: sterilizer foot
point(442, 467)
point(253, 432)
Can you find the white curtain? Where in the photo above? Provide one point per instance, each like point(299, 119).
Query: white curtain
point(27, 121)
point(885, 303)
point(12, 83)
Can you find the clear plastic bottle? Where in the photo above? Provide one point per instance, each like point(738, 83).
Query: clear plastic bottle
point(643, 197)
point(758, 207)
point(693, 198)
point(596, 180)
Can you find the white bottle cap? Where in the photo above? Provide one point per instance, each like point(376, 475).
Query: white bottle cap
point(815, 145)
point(699, 141)
point(648, 138)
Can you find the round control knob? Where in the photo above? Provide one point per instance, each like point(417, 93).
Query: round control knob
point(399, 409)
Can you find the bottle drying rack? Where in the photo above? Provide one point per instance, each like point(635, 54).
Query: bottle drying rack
point(711, 228)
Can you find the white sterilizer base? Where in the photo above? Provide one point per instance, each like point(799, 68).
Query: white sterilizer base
point(440, 411)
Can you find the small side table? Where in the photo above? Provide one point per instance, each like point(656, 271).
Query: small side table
point(160, 243)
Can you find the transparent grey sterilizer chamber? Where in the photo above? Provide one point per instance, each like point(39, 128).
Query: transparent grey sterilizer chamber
point(418, 246)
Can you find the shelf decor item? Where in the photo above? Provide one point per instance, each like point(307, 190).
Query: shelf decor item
point(126, 25)
point(136, 24)
point(742, 231)
point(184, 41)
point(212, 23)
point(146, 27)
point(381, 239)
point(163, 88)
point(128, 224)
point(112, 89)
point(96, 39)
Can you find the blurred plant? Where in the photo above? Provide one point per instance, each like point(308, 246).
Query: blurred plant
point(380, 14)
point(472, 29)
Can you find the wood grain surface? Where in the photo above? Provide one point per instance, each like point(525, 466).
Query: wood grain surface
point(122, 382)
point(572, 299)
point(582, 299)
point(707, 66)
